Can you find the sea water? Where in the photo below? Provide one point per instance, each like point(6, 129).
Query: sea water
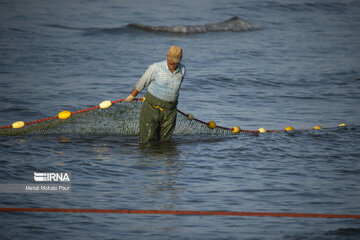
point(301, 69)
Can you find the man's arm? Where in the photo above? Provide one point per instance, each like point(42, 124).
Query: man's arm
point(133, 94)
point(143, 82)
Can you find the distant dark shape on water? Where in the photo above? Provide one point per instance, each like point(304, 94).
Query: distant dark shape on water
point(234, 24)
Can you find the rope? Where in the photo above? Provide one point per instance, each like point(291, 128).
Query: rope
point(175, 212)
point(76, 112)
point(202, 122)
point(179, 111)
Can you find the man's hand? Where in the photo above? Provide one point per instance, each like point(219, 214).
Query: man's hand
point(130, 98)
point(133, 94)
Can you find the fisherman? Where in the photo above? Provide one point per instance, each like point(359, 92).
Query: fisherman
point(158, 112)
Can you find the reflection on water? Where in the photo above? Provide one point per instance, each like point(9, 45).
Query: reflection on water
point(163, 167)
point(162, 149)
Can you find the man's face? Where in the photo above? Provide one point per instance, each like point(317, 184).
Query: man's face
point(172, 65)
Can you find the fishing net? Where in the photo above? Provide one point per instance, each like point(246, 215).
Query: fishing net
point(120, 119)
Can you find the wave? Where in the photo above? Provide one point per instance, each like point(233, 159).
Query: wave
point(234, 24)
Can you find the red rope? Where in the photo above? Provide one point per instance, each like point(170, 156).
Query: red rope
point(4, 127)
point(175, 212)
point(120, 100)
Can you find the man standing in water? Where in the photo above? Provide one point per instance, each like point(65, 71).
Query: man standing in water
point(158, 112)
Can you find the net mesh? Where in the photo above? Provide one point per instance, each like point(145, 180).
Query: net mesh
point(120, 119)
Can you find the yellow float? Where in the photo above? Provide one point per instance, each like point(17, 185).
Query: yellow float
point(211, 125)
point(262, 130)
point(289, 128)
point(105, 104)
point(64, 114)
point(236, 129)
point(18, 124)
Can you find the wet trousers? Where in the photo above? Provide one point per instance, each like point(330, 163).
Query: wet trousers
point(157, 119)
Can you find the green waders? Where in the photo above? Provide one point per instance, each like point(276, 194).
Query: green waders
point(157, 119)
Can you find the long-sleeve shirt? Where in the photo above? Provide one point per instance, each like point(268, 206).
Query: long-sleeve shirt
point(161, 82)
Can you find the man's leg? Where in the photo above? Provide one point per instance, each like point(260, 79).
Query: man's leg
point(149, 123)
point(168, 123)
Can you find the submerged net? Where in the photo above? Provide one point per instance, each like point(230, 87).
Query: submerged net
point(120, 119)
